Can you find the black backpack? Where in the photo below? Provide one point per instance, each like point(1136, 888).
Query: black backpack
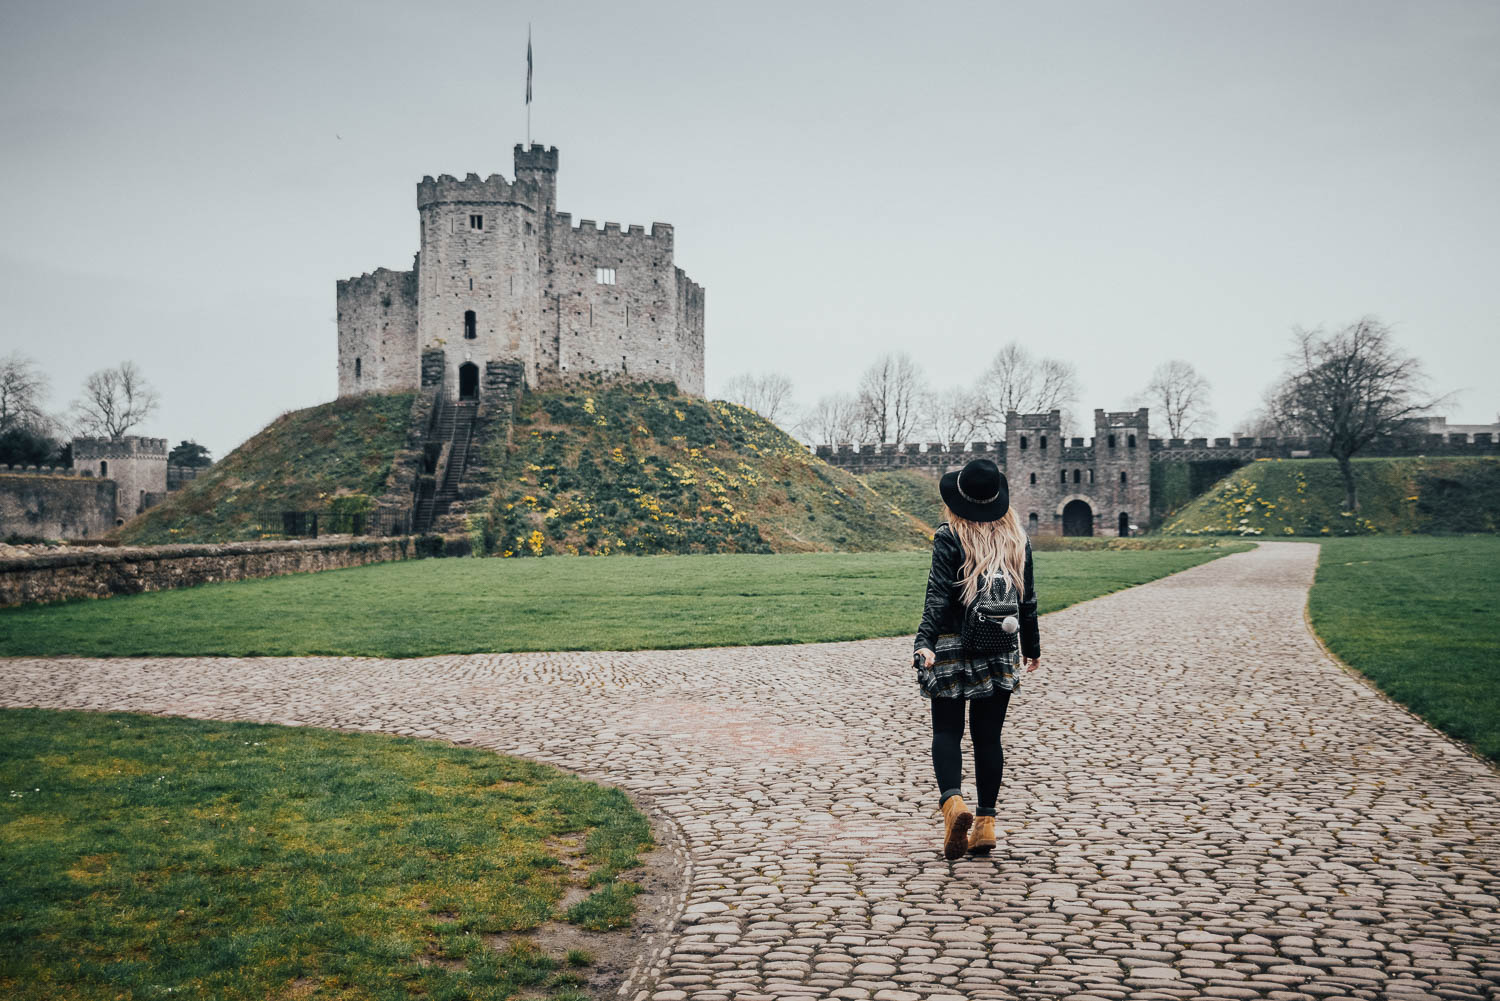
point(990, 625)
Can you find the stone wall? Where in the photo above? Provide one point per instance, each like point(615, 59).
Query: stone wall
point(642, 326)
point(102, 572)
point(55, 505)
point(377, 324)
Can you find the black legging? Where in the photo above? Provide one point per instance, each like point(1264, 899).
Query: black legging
point(986, 716)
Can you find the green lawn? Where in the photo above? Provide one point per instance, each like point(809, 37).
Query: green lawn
point(152, 856)
point(1416, 615)
point(424, 607)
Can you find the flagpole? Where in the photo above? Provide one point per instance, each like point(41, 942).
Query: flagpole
point(528, 85)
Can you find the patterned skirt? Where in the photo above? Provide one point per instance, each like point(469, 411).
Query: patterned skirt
point(955, 676)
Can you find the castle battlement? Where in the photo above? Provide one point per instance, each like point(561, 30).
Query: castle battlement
point(373, 279)
point(1120, 418)
point(535, 158)
point(590, 228)
point(476, 190)
point(129, 447)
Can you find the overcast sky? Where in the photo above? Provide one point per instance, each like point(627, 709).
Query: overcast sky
point(1113, 184)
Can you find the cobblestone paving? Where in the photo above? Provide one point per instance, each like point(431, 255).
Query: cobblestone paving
point(1197, 802)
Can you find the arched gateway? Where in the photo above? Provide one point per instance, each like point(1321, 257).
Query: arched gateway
point(1077, 518)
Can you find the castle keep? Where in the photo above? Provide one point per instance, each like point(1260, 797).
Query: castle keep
point(502, 277)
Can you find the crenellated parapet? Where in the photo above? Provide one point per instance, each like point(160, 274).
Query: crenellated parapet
point(45, 471)
point(590, 232)
point(473, 189)
point(538, 157)
point(379, 280)
point(129, 446)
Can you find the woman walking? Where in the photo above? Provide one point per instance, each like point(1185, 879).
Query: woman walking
point(978, 621)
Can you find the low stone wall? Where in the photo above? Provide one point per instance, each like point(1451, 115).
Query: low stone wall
point(100, 573)
point(55, 504)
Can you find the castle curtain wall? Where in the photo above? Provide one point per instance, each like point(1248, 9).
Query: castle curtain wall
point(377, 320)
point(631, 327)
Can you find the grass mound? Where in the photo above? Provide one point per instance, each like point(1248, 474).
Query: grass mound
point(299, 462)
point(913, 492)
point(1441, 665)
point(1282, 497)
point(155, 856)
point(642, 469)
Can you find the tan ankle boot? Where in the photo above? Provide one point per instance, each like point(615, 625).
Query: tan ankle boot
point(956, 820)
point(982, 836)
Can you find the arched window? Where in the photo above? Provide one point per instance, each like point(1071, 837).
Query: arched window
point(1043, 443)
point(1076, 476)
point(1122, 476)
point(1062, 476)
point(471, 330)
point(357, 368)
point(1111, 441)
point(103, 468)
point(1091, 476)
point(1131, 441)
point(1031, 523)
point(1023, 443)
point(1033, 480)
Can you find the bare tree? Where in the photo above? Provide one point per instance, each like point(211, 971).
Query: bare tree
point(833, 420)
point(769, 395)
point(1016, 381)
point(954, 414)
point(114, 401)
point(889, 397)
point(1179, 395)
point(1349, 387)
point(22, 388)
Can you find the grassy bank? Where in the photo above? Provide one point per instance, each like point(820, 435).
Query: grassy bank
point(913, 492)
point(299, 462)
point(427, 607)
point(642, 469)
point(1303, 497)
point(1416, 616)
point(161, 857)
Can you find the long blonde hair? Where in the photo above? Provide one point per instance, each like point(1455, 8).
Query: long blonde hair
point(989, 546)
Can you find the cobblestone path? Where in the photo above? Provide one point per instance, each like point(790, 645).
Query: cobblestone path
point(1197, 802)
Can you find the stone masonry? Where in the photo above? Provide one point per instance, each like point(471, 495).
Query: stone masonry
point(1198, 802)
point(137, 465)
point(502, 276)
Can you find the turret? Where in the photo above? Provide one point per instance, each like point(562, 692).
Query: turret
point(539, 166)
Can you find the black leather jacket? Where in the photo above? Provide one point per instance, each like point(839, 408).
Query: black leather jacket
point(943, 609)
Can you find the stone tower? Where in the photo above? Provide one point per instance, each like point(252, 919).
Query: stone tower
point(1063, 487)
point(137, 465)
point(503, 276)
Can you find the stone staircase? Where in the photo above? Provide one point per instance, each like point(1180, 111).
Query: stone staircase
point(448, 444)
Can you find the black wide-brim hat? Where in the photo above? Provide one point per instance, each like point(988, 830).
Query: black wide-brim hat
point(978, 492)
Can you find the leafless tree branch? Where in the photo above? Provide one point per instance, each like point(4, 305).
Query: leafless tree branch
point(114, 401)
point(1178, 395)
point(23, 387)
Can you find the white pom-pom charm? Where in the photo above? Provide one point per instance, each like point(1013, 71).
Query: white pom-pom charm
point(1010, 623)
